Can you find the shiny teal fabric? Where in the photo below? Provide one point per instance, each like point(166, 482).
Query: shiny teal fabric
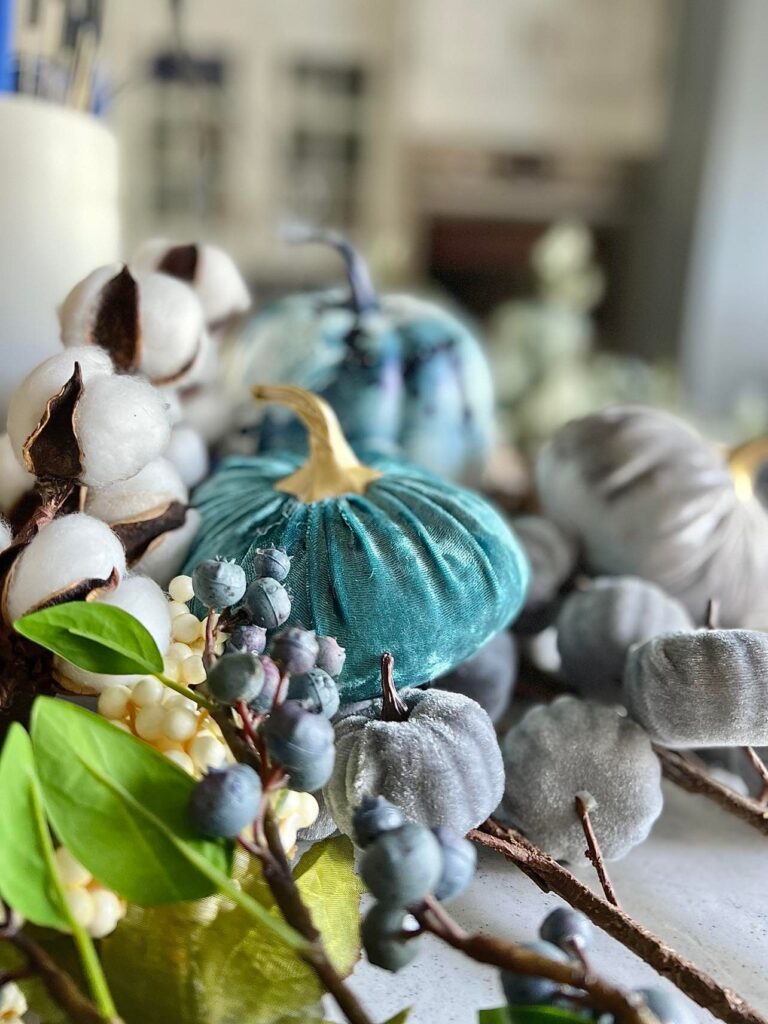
point(416, 566)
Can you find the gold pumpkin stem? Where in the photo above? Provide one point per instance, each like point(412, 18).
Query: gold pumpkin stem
point(744, 463)
point(332, 468)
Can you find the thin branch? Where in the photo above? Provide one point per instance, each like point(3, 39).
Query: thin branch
point(593, 851)
point(762, 770)
point(695, 983)
point(688, 776)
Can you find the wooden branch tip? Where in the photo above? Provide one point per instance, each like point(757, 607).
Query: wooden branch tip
point(584, 804)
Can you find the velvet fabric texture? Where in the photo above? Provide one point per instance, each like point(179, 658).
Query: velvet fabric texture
point(488, 677)
point(574, 747)
point(441, 766)
point(415, 566)
point(703, 689)
point(647, 496)
point(406, 378)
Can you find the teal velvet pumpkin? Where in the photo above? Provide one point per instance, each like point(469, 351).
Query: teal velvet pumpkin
point(403, 375)
point(385, 558)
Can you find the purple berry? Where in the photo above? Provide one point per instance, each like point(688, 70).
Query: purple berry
point(225, 801)
point(272, 562)
point(247, 638)
point(330, 655)
point(294, 649)
point(267, 602)
point(316, 690)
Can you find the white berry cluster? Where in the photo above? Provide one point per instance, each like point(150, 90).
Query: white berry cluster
point(13, 1003)
point(94, 907)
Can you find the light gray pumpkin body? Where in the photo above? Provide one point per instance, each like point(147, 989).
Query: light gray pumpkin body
point(702, 689)
point(597, 626)
point(569, 747)
point(441, 766)
point(488, 677)
point(646, 496)
point(552, 555)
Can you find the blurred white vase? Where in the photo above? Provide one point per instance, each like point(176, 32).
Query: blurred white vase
point(58, 220)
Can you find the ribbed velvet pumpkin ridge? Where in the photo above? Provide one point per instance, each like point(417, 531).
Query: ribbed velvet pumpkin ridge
point(415, 566)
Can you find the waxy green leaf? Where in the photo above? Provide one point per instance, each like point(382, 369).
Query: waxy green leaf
point(96, 637)
point(545, 1015)
point(28, 882)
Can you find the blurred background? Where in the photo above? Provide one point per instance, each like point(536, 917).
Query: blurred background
point(587, 179)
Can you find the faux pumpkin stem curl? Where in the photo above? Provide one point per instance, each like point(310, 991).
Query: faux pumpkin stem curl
point(583, 802)
point(393, 707)
point(332, 469)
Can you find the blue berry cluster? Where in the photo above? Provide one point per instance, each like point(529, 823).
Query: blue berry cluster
point(402, 863)
point(281, 675)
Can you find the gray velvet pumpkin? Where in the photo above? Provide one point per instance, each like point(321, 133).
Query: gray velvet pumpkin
point(572, 747)
point(597, 626)
point(441, 765)
point(703, 689)
point(553, 556)
point(647, 496)
point(488, 677)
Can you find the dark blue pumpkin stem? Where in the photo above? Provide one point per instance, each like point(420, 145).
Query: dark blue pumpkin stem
point(363, 295)
point(393, 707)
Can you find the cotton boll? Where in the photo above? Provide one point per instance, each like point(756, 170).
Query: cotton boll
point(142, 598)
point(572, 747)
point(78, 311)
point(167, 554)
point(66, 552)
point(597, 626)
point(171, 323)
point(29, 400)
point(14, 480)
point(6, 535)
point(152, 487)
point(207, 268)
point(122, 425)
point(188, 453)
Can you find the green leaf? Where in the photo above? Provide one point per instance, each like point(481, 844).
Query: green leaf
point(498, 1016)
point(121, 807)
point(401, 1017)
point(546, 1015)
point(205, 962)
point(93, 636)
point(28, 880)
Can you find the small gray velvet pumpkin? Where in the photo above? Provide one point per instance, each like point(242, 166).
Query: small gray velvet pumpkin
point(703, 689)
point(597, 626)
point(647, 496)
point(488, 677)
point(572, 747)
point(552, 555)
point(441, 764)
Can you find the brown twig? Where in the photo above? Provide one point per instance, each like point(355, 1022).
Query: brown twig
point(593, 851)
point(762, 770)
point(209, 651)
point(393, 707)
point(695, 983)
point(712, 614)
point(688, 776)
point(488, 949)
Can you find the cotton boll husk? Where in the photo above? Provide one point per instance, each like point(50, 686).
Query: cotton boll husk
point(14, 480)
point(217, 281)
point(569, 747)
point(647, 496)
point(188, 453)
point(703, 689)
point(78, 311)
point(122, 424)
point(145, 600)
point(167, 554)
point(154, 486)
point(67, 551)
point(29, 400)
point(598, 624)
point(488, 677)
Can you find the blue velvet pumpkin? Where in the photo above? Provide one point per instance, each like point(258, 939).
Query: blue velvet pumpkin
point(385, 557)
point(402, 375)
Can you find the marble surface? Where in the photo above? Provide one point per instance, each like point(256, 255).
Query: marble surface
point(700, 882)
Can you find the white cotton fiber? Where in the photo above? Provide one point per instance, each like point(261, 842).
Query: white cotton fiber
point(157, 484)
point(171, 324)
point(14, 480)
point(167, 554)
point(217, 281)
point(142, 598)
point(31, 397)
point(6, 535)
point(65, 552)
point(122, 425)
point(189, 454)
point(77, 313)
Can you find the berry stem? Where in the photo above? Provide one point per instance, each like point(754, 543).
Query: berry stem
point(185, 691)
point(393, 707)
point(488, 949)
point(553, 877)
point(209, 651)
point(593, 849)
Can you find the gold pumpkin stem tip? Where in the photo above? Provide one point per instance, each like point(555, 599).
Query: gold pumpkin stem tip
point(332, 468)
